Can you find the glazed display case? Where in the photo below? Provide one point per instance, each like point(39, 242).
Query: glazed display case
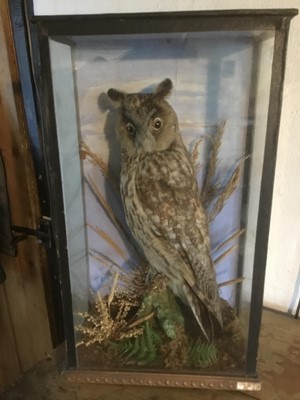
point(124, 323)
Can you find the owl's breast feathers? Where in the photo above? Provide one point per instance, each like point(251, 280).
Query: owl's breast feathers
point(164, 211)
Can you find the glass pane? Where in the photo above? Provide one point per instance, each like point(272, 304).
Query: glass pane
point(169, 315)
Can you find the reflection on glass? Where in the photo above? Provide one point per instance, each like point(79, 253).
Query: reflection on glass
point(220, 94)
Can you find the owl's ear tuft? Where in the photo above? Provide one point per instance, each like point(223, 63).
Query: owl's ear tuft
point(115, 95)
point(164, 88)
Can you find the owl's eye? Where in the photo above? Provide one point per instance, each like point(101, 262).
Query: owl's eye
point(130, 128)
point(157, 123)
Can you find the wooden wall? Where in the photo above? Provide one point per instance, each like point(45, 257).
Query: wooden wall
point(24, 323)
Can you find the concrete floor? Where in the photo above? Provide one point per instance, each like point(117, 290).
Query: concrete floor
point(279, 370)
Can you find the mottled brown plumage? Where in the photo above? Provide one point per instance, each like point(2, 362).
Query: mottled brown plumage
point(161, 199)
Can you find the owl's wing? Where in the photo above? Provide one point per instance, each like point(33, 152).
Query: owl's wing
point(177, 219)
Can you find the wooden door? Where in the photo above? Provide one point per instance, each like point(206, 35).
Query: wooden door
point(24, 323)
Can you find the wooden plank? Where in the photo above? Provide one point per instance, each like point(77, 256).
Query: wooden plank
point(9, 363)
point(26, 296)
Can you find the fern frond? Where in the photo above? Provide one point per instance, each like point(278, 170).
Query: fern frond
point(144, 349)
point(202, 354)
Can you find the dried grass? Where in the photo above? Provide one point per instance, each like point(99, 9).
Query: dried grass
point(109, 319)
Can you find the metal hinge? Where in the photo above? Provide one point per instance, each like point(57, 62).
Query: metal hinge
point(43, 234)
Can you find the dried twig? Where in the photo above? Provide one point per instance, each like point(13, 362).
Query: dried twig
point(231, 282)
point(235, 235)
point(106, 261)
point(142, 319)
point(118, 225)
point(223, 255)
point(110, 241)
point(113, 289)
point(103, 202)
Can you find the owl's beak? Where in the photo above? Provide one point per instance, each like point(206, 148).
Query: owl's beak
point(144, 140)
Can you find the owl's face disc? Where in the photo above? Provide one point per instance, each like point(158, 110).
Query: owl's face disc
point(146, 122)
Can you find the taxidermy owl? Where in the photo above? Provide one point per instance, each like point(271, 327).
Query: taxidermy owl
point(162, 201)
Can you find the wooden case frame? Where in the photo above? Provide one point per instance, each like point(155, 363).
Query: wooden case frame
point(40, 29)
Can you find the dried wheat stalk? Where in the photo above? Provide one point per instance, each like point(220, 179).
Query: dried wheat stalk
point(213, 162)
point(94, 159)
point(85, 152)
point(195, 153)
point(227, 191)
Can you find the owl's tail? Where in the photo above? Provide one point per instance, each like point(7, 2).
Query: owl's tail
point(201, 313)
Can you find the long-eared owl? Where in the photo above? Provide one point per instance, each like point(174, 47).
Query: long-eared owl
point(162, 201)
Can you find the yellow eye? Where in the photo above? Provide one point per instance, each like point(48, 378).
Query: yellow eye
point(157, 123)
point(130, 128)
